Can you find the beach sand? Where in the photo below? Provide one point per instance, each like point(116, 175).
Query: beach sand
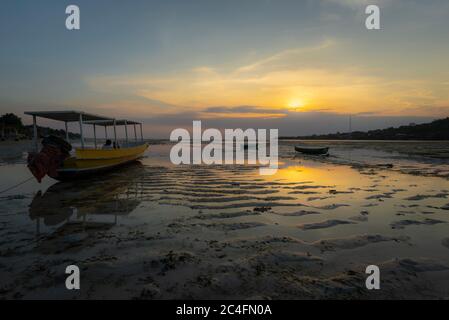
point(153, 230)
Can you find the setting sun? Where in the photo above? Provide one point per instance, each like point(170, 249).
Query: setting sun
point(295, 104)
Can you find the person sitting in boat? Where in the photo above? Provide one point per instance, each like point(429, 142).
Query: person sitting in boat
point(107, 145)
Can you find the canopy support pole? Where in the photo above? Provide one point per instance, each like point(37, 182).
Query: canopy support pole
point(35, 134)
point(81, 131)
point(135, 132)
point(126, 131)
point(95, 137)
point(66, 132)
point(115, 134)
point(106, 132)
point(141, 132)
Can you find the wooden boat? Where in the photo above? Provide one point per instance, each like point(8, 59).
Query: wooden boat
point(312, 150)
point(85, 161)
point(88, 161)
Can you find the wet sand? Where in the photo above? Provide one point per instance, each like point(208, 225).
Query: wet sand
point(157, 231)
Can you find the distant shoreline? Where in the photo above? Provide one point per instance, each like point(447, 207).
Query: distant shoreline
point(437, 130)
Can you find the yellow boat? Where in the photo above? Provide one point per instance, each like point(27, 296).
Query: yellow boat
point(86, 160)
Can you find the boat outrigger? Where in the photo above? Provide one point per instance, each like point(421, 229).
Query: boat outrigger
point(56, 161)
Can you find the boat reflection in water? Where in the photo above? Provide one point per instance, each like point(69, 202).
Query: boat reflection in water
point(89, 205)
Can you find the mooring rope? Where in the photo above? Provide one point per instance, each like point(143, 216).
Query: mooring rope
point(16, 185)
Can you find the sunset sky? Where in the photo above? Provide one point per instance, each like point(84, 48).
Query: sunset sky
point(300, 66)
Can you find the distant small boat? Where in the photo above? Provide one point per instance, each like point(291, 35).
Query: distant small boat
point(312, 150)
point(247, 146)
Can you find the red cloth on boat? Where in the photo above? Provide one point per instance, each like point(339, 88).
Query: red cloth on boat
point(46, 162)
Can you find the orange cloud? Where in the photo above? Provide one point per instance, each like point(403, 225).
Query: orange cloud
point(299, 74)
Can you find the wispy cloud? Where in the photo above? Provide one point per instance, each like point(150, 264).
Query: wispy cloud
point(240, 109)
point(287, 55)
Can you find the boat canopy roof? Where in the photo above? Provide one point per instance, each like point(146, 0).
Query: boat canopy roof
point(68, 116)
point(107, 123)
point(82, 118)
point(74, 116)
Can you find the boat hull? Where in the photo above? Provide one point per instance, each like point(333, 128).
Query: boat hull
point(312, 150)
point(92, 161)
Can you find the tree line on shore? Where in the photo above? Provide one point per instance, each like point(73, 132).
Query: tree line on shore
point(435, 130)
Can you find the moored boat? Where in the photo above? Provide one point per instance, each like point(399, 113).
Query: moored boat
point(312, 150)
point(56, 161)
point(251, 146)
